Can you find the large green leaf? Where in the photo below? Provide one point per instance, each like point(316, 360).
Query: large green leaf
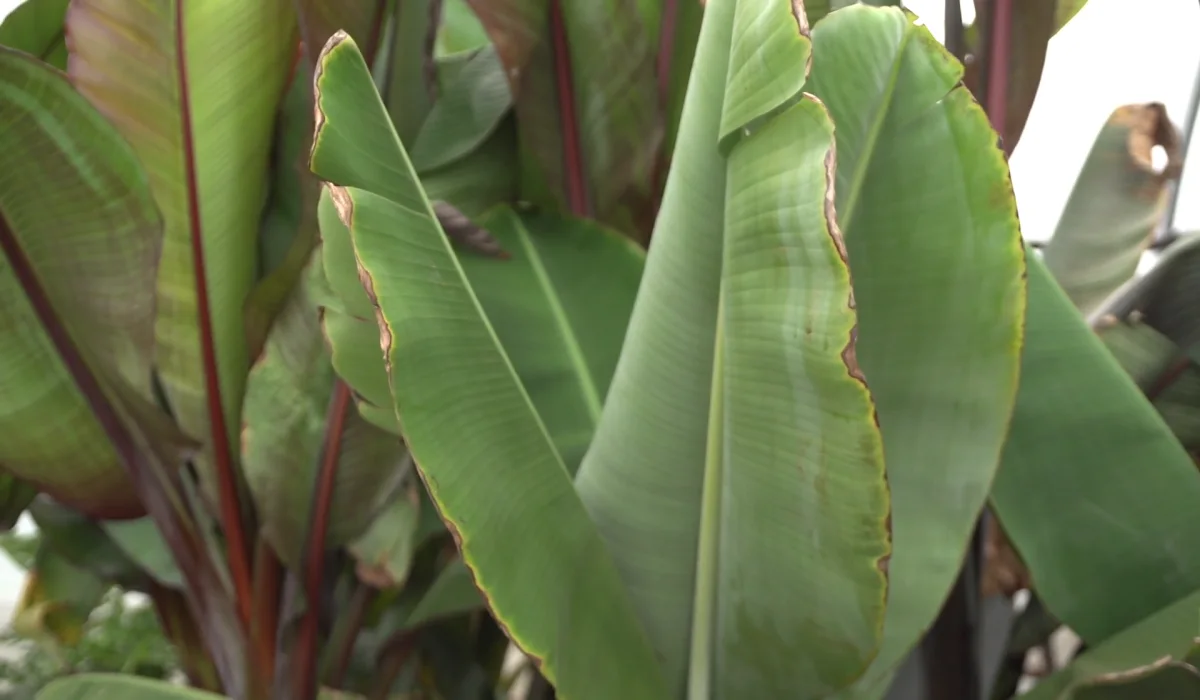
point(36, 27)
point(194, 88)
point(1154, 658)
point(110, 686)
point(81, 210)
point(924, 199)
point(893, 104)
point(738, 444)
point(1094, 492)
point(1115, 207)
point(462, 406)
point(1162, 370)
point(583, 78)
point(285, 432)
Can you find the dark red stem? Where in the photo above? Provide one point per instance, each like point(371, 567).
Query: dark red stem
point(998, 67)
point(576, 178)
point(314, 564)
point(227, 490)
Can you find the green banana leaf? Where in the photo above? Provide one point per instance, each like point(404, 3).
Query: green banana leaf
point(647, 459)
point(466, 113)
point(1154, 658)
point(1115, 206)
point(583, 78)
point(925, 201)
point(564, 601)
point(195, 95)
point(284, 432)
point(559, 303)
point(36, 27)
point(111, 686)
point(1094, 492)
point(92, 546)
point(82, 215)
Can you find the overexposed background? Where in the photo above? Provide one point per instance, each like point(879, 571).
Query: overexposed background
point(1114, 52)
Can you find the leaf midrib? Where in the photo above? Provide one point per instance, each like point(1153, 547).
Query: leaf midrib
point(587, 385)
point(846, 215)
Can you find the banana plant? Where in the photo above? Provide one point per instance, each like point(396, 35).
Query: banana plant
point(762, 402)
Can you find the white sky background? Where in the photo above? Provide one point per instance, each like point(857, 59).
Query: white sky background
point(1109, 55)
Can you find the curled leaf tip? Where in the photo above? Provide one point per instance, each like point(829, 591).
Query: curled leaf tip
point(1149, 126)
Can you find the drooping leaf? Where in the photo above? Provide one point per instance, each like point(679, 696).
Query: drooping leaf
point(1115, 207)
point(466, 113)
point(111, 686)
point(57, 600)
point(583, 79)
point(1154, 657)
point(384, 552)
point(81, 211)
point(194, 89)
point(940, 347)
point(737, 416)
point(567, 580)
point(1123, 543)
point(36, 27)
point(284, 433)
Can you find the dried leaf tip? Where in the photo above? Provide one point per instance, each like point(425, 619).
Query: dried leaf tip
point(801, 16)
point(342, 202)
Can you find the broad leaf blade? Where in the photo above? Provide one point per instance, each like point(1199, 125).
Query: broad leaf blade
point(925, 204)
point(565, 605)
point(737, 398)
point(36, 27)
point(81, 210)
point(1080, 423)
point(194, 89)
point(57, 599)
point(1115, 206)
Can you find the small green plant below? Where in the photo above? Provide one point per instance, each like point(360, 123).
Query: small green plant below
point(122, 636)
